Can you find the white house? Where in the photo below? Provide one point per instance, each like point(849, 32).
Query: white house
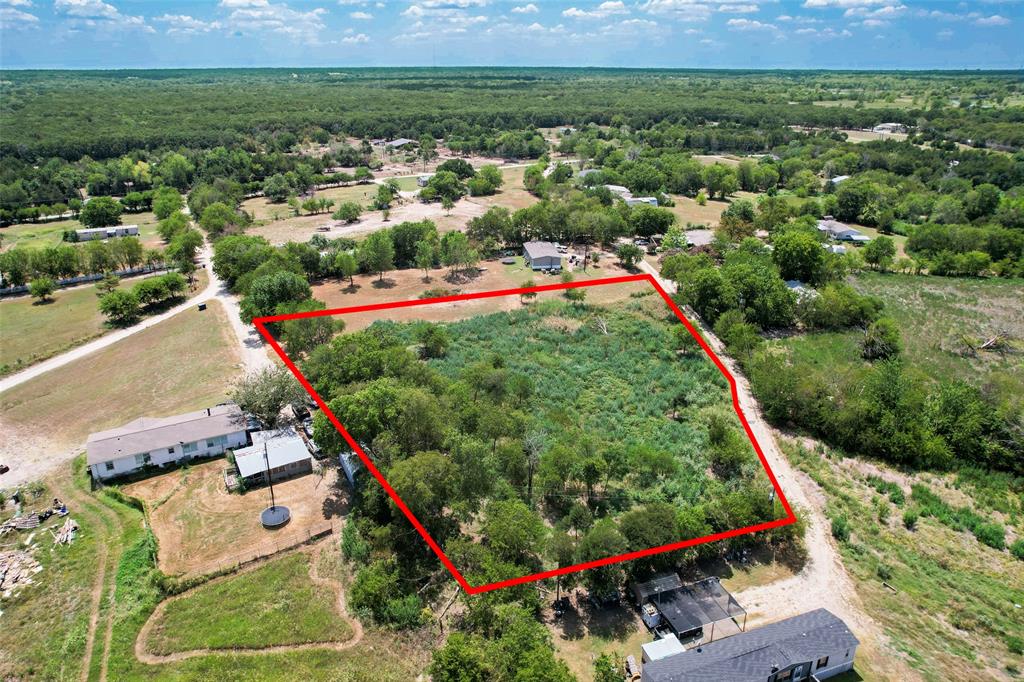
point(621, 191)
point(162, 441)
point(839, 178)
point(282, 451)
point(89, 233)
point(636, 201)
point(889, 128)
point(424, 179)
point(542, 256)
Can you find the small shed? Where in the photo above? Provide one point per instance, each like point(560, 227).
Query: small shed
point(424, 179)
point(661, 648)
point(282, 451)
point(636, 201)
point(542, 256)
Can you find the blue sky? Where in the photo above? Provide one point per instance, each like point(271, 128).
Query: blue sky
point(844, 34)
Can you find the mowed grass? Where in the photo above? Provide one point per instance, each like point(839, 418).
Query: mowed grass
point(688, 211)
point(33, 332)
point(36, 235)
point(274, 604)
point(951, 610)
point(184, 363)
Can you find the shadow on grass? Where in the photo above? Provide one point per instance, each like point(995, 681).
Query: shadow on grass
point(384, 284)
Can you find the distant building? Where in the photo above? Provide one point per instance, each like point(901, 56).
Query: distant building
point(91, 233)
point(833, 229)
point(542, 256)
point(587, 171)
point(160, 441)
point(282, 451)
point(619, 190)
point(424, 179)
point(812, 646)
point(889, 128)
point(838, 179)
point(399, 143)
point(636, 201)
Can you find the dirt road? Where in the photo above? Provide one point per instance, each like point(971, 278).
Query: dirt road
point(823, 582)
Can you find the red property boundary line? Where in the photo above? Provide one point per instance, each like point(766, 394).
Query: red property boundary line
point(790, 517)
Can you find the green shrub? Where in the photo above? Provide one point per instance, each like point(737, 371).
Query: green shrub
point(991, 534)
point(1017, 548)
point(1015, 645)
point(884, 572)
point(910, 517)
point(841, 528)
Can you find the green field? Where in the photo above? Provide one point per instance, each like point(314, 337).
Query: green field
point(35, 235)
point(274, 604)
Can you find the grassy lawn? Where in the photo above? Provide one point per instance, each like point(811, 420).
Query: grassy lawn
point(184, 363)
point(934, 312)
point(35, 235)
point(274, 604)
point(35, 331)
point(951, 607)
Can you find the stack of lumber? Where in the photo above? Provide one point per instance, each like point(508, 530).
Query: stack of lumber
point(16, 570)
point(66, 533)
point(20, 523)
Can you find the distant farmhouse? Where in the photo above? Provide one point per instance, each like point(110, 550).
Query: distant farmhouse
point(150, 441)
point(91, 233)
point(399, 143)
point(889, 128)
point(838, 179)
point(636, 201)
point(542, 256)
point(841, 232)
point(619, 190)
point(812, 646)
point(424, 179)
point(282, 451)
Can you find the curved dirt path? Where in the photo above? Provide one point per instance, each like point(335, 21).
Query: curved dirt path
point(314, 575)
point(823, 582)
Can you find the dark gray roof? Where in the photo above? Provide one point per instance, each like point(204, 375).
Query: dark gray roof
point(541, 250)
point(750, 656)
point(656, 585)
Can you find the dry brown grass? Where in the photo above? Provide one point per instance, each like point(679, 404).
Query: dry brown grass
point(201, 526)
point(408, 285)
point(687, 210)
point(184, 363)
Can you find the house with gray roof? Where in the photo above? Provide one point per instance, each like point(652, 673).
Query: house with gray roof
point(399, 143)
point(88, 234)
point(812, 646)
point(841, 232)
point(163, 441)
point(542, 256)
point(281, 451)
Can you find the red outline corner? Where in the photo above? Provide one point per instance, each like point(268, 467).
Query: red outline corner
point(790, 517)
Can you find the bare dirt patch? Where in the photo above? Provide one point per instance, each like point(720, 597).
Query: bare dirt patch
point(201, 526)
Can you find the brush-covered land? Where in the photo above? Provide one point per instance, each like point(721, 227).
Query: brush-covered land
point(542, 437)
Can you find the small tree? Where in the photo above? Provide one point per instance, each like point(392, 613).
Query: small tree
point(101, 212)
point(42, 288)
point(426, 254)
point(879, 253)
point(122, 307)
point(265, 393)
point(349, 211)
point(629, 255)
point(434, 341)
point(109, 283)
point(377, 253)
point(346, 265)
point(447, 204)
point(881, 340)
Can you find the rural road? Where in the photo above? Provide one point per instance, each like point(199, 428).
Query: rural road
point(250, 342)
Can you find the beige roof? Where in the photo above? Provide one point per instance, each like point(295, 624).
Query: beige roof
point(151, 433)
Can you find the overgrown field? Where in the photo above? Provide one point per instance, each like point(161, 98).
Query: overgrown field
point(540, 437)
point(947, 600)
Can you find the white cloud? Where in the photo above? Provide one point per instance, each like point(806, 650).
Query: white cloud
point(738, 9)
point(96, 15)
point(356, 39)
point(823, 33)
point(13, 19)
point(605, 9)
point(263, 16)
point(944, 34)
point(183, 24)
point(681, 10)
point(749, 25)
point(886, 12)
point(818, 4)
point(529, 8)
point(362, 16)
point(994, 20)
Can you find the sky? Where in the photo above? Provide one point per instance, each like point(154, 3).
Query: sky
point(827, 34)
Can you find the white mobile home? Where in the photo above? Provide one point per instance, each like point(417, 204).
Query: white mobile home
point(163, 441)
point(91, 233)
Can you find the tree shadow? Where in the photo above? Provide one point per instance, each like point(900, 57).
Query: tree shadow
point(44, 301)
point(351, 288)
point(384, 284)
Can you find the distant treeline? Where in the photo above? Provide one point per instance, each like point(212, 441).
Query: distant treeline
point(108, 114)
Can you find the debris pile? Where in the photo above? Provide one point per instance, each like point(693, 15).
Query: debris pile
point(21, 523)
point(66, 533)
point(16, 570)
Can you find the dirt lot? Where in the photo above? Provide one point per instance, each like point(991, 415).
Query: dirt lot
point(201, 526)
point(407, 285)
